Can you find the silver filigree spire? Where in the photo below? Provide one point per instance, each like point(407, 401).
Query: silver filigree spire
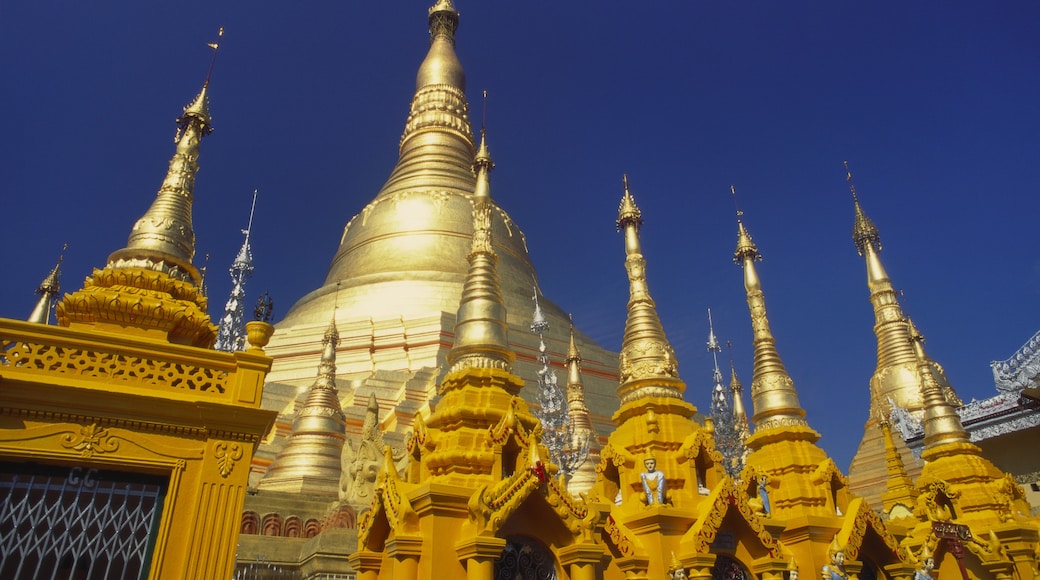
point(232, 334)
point(568, 449)
point(728, 438)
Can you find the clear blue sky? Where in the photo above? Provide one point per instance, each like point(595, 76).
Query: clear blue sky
point(935, 107)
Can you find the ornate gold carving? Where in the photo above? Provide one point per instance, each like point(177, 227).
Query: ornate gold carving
point(91, 439)
point(226, 454)
point(624, 543)
point(110, 366)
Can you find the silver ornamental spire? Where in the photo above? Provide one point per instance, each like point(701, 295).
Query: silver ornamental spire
point(727, 434)
point(568, 450)
point(232, 334)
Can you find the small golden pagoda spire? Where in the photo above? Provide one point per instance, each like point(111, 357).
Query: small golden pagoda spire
point(481, 334)
point(739, 414)
point(48, 291)
point(647, 363)
point(941, 422)
point(150, 285)
point(311, 459)
point(773, 395)
point(900, 494)
point(576, 408)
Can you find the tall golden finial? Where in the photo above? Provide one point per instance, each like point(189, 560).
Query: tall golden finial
point(481, 334)
point(941, 423)
point(864, 232)
point(151, 284)
point(48, 290)
point(773, 395)
point(628, 212)
point(483, 158)
point(746, 247)
point(163, 238)
point(442, 66)
point(647, 363)
point(216, 47)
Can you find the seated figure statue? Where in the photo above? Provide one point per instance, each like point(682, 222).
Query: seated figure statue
point(653, 481)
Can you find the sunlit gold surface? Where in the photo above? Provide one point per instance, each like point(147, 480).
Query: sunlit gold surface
point(648, 367)
point(481, 333)
point(311, 460)
point(959, 486)
point(151, 286)
point(400, 269)
point(578, 412)
point(773, 396)
point(900, 495)
point(896, 377)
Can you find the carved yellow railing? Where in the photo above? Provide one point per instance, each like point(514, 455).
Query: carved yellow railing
point(36, 353)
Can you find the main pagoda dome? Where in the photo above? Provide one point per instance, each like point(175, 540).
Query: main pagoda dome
point(396, 279)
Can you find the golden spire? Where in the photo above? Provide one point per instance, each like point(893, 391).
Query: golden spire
point(864, 232)
point(576, 408)
point(739, 414)
point(647, 363)
point(441, 65)
point(481, 334)
point(311, 459)
point(900, 494)
point(150, 285)
point(773, 396)
point(48, 291)
point(163, 238)
point(894, 376)
point(941, 423)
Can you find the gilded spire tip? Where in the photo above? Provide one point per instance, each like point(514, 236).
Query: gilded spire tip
point(746, 250)
point(864, 232)
point(48, 290)
point(628, 211)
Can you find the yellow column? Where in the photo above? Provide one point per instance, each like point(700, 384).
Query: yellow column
point(406, 551)
point(581, 559)
point(478, 554)
point(366, 564)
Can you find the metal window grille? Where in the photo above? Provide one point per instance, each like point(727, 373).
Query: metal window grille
point(77, 522)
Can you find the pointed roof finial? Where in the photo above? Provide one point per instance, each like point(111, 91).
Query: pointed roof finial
point(773, 395)
point(481, 333)
point(572, 348)
point(482, 163)
point(648, 367)
point(941, 423)
point(216, 47)
point(628, 211)
point(746, 247)
point(864, 232)
point(231, 336)
point(442, 66)
point(48, 290)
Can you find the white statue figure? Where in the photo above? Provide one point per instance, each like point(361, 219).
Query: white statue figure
point(763, 495)
point(653, 480)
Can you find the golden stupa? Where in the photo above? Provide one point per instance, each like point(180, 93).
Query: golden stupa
point(895, 381)
point(399, 271)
